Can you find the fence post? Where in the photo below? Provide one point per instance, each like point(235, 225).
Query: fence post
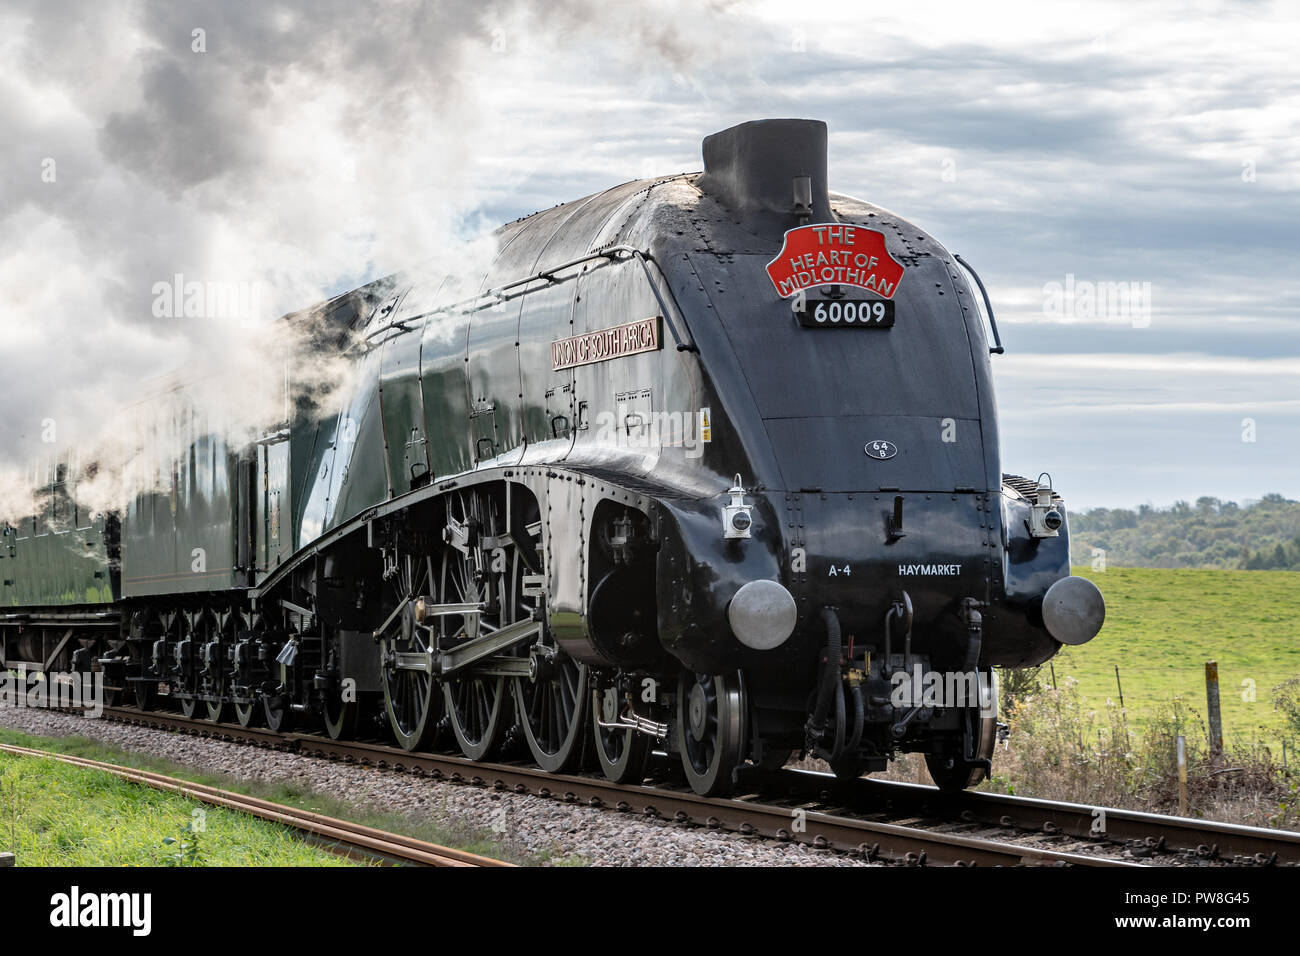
point(1182, 776)
point(1123, 712)
point(1212, 699)
point(6, 859)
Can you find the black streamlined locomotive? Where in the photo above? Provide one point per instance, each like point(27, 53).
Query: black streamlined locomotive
point(705, 464)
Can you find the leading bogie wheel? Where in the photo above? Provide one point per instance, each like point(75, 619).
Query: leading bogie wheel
point(710, 730)
point(949, 772)
point(622, 752)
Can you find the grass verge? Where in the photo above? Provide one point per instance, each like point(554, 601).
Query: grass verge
point(454, 835)
point(54, 814)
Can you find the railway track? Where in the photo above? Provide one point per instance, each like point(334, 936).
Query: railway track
point(1144, 835)
point(885, 821)
point(342, 837)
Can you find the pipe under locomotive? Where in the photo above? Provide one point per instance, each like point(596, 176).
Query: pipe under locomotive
point(705, 465)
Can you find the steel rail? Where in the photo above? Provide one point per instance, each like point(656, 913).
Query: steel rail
point(1207, 839)
point(335, 833)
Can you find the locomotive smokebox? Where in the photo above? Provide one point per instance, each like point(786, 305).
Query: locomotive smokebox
point(751, 168)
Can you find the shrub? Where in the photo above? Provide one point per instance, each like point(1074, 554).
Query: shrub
point(1061, 748)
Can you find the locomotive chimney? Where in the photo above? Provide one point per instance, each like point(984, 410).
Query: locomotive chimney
point(755, 168)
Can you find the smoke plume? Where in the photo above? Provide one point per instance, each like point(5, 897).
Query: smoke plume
point(182, 173)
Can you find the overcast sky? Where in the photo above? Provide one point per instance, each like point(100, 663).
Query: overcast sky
point(1149, 150)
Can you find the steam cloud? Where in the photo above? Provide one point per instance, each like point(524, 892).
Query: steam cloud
point(185, 172)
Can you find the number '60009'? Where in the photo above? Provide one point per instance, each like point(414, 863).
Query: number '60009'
point(849, 312)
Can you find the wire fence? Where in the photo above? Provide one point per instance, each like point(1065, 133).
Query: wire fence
point(1258, 709)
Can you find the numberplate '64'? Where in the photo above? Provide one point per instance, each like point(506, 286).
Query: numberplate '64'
point(845, 313)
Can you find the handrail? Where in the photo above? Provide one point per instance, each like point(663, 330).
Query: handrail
point(499, 294)
point(988, 306)
point(663, 306)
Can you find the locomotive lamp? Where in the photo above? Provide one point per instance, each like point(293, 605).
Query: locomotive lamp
point(737, 517)
point(1044, 520)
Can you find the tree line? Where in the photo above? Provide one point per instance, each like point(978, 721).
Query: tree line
point(1262, 535)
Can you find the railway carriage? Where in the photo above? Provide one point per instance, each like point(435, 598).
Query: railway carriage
point(704, 465)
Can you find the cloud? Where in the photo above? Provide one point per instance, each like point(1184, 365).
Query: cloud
point(285, 151)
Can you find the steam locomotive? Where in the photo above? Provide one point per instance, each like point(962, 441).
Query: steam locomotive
point(704, 465)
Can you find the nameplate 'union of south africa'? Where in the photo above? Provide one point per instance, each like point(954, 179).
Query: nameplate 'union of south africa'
point(643, 335)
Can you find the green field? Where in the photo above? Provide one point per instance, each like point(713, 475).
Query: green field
point(1162, 625)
